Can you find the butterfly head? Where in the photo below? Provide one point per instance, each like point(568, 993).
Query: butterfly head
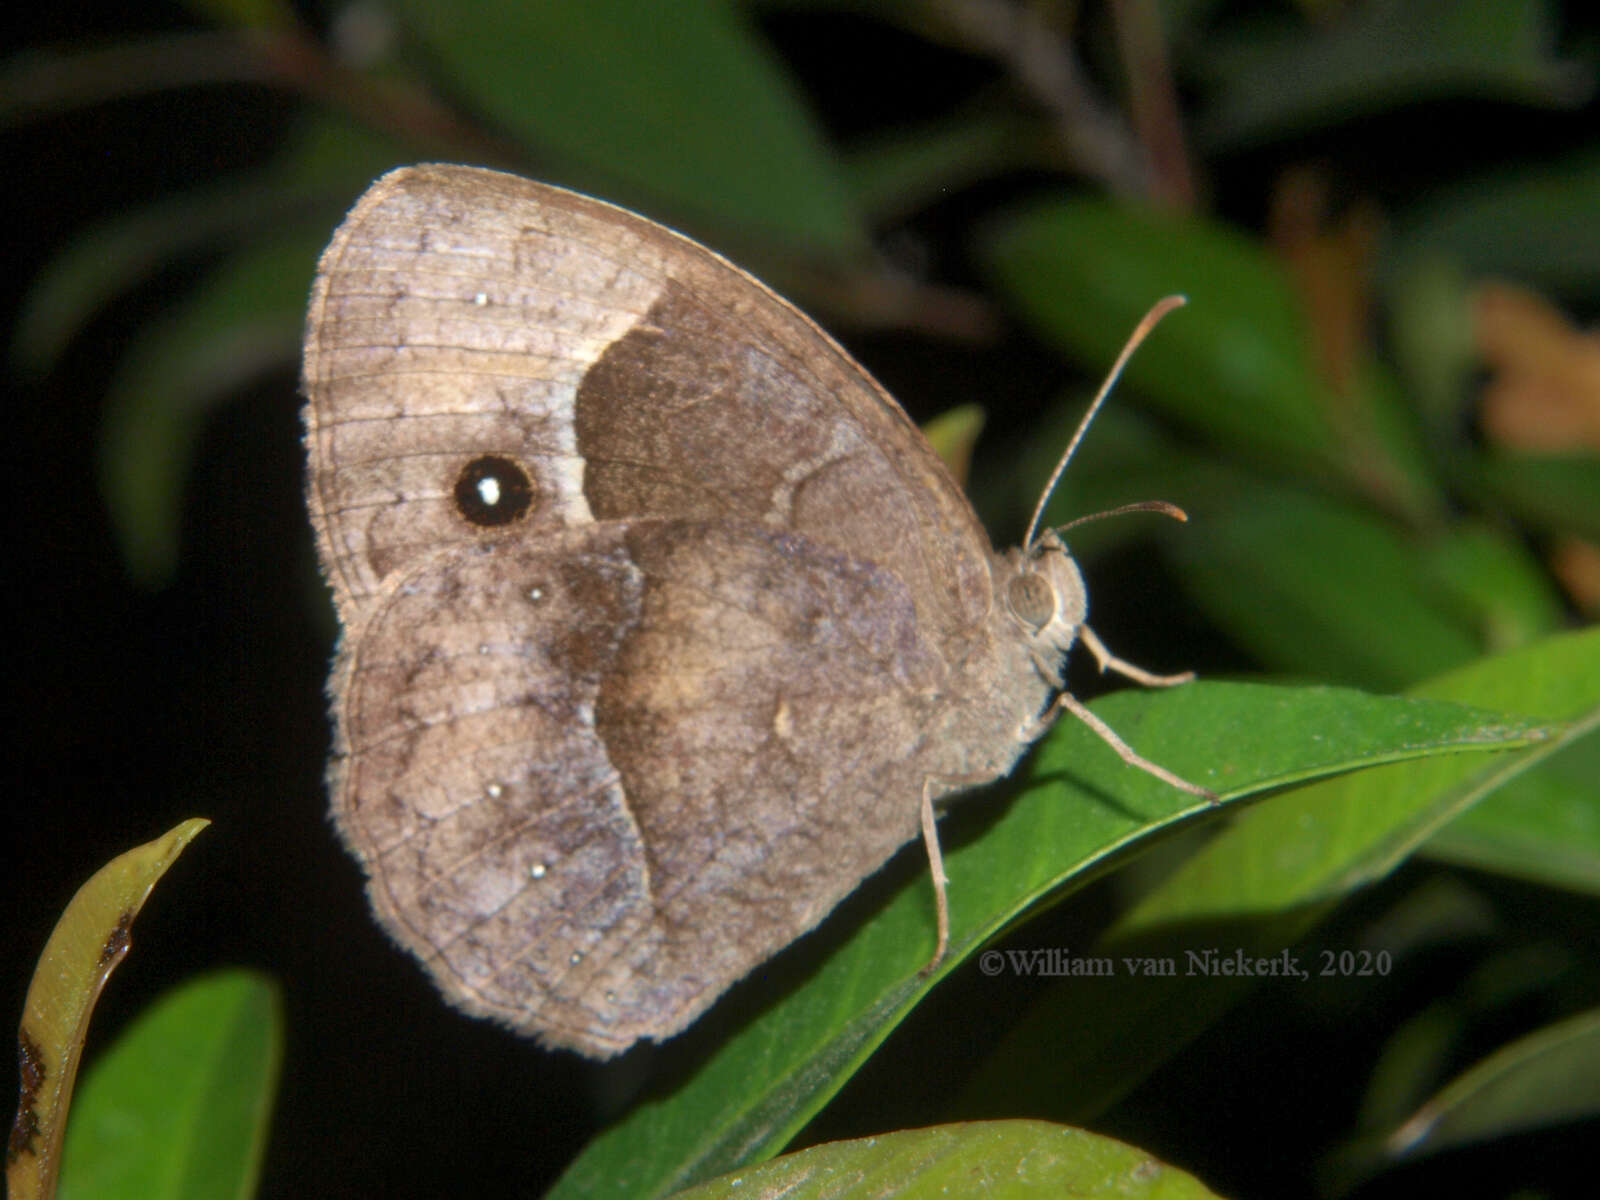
point(1046, 595)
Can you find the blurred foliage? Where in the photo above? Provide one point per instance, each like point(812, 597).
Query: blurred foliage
point(179, 1108)
point(1381, 408)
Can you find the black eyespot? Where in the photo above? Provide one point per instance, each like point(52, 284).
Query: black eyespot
point(492, 490)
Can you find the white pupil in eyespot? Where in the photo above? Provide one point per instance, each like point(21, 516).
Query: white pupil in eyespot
point(489, 491)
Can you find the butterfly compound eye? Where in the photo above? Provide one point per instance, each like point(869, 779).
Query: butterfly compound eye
point(1032, 600)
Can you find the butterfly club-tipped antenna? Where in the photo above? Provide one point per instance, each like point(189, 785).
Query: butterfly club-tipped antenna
point(1141, 331)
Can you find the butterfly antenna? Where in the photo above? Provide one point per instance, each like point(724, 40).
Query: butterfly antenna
point(1155, 506)
point(1158, 310)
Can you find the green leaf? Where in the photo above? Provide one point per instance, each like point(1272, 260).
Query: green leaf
point(1535, 225)
point(1233, 363)
point(1542, 1079)
point(88, 942)
point(680, 102)
point(1288, 79)
point(1262, 883)
point(1002, 1159)
point(952, 435)
point(179, 1107)
point(1236, 363)
point(1555, 493)
point(1493, 585)
point(1543, 826)
point(1314, 585)
point(1079, 809)
point(1429, 309)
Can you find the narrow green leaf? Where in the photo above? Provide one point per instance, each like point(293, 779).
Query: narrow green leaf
point(1234, 363)
point(1542, 1079)
point(1078, 809)
point(1318, 586)
point(1493, 585)
point(1536, 225)
point(1001, 1159)
point(1543, 826)
point(1261, 884)
point(1270, 82)
point(179, 1107)
point(680, 102)
point(88, 942)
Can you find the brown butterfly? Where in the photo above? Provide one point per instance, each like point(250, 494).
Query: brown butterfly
point(663, 624)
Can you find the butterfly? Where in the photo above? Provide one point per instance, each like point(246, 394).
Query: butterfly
point(663, 625)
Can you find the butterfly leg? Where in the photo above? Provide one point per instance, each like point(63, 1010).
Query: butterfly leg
point(1109, 661)
point(930, 839)
point(941, 901)
point(1126, 752)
